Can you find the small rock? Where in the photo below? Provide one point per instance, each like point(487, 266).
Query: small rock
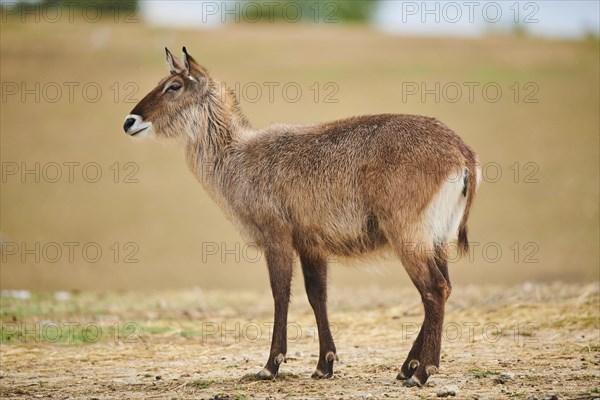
point(446, 391)
point(220, 397)
point(505, 377)
point(62, 296)
point(192, 314)
point(158, 377)
point(367, 396)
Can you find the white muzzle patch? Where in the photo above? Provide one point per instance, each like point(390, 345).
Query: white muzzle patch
point(135, 126)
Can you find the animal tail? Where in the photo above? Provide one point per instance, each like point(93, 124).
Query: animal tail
point(471, 181)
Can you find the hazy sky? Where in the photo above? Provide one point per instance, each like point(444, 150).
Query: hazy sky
point(545, 18)
point(569, 19)
point(551, 18)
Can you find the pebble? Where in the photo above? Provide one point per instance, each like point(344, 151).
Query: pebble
point(446, 391)
point(505, 377)
point(367, 396)
point(62, 296)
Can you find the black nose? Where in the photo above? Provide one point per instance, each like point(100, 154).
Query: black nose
point(128, 124)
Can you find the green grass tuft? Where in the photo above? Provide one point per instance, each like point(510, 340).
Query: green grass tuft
point(479, 374)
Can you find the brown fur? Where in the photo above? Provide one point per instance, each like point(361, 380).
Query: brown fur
point(344, 188)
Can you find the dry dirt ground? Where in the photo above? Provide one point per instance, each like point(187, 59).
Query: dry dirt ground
point(526, 342)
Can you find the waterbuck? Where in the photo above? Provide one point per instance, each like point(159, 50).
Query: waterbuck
point(346, 188)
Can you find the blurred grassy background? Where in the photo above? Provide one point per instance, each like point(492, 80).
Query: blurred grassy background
point(554, 221)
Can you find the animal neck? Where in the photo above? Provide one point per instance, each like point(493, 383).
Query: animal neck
point(221, 124)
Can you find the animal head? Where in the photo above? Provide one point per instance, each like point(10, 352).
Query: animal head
point(171, 109)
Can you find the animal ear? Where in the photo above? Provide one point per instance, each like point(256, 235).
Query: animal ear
point(195, 70)
point(175, 65)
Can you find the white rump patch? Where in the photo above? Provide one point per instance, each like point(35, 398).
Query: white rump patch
point(443, 214)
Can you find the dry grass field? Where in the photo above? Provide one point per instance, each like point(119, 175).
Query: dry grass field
point(519, 342)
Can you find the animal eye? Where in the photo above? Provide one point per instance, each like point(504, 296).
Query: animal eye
point(173, 87)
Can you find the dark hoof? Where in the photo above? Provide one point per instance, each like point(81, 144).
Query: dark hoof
point(411, 382)
point(272, 368)
point(325, 366)
point(408, 369)
point(265, 374)
point(424, 373)
point(318, 374)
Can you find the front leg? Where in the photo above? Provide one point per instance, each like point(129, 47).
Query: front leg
point(279, 261)
point(315, 281)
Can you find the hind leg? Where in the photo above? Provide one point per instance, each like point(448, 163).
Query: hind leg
point(413, 360)
point(429, 278)
point(441, 260)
